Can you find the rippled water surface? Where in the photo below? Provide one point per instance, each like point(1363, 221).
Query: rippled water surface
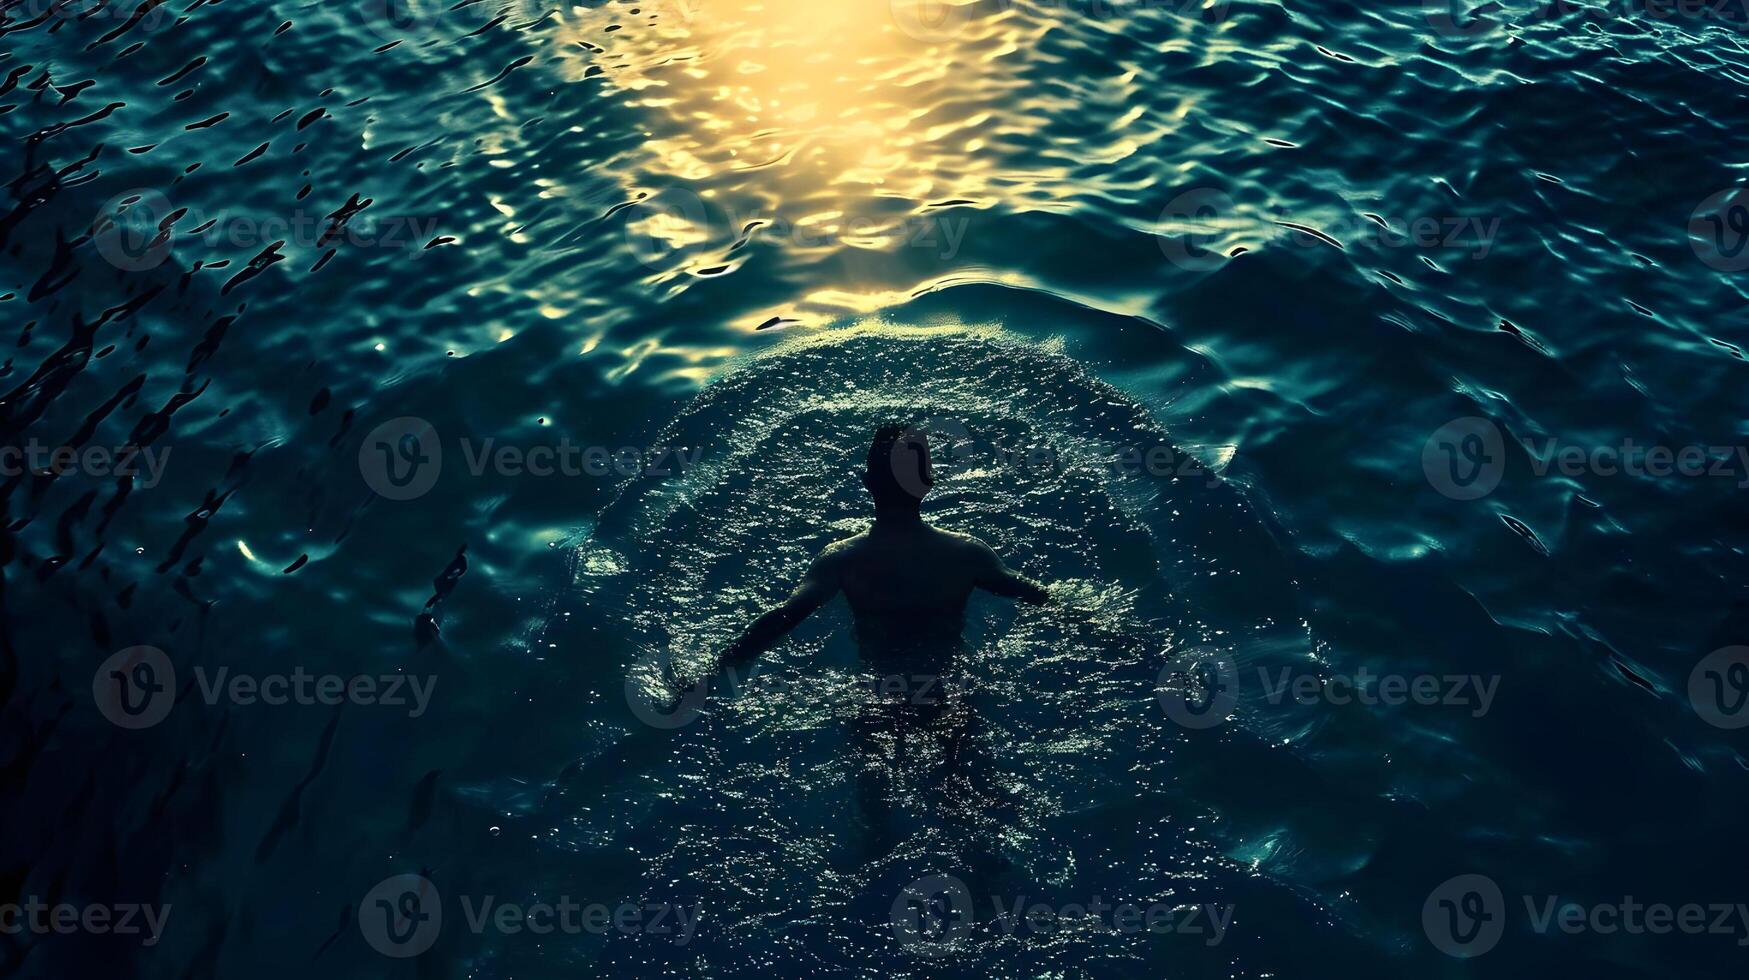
point(1279, 245)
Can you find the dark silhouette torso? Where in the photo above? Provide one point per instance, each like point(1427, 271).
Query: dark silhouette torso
point(907, 585)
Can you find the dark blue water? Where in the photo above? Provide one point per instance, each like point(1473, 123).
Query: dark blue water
point(1259, 330)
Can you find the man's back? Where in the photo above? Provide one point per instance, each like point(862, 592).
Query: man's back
point(916, 568)
point(907, 582)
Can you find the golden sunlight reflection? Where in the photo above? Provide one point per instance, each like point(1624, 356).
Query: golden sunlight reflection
point(748, 84)
point(794, 162)
point(811, 122)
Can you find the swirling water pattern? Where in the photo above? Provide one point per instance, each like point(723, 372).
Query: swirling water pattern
point(1290, 241)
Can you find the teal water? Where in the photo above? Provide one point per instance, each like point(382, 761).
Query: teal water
point(1284, 245)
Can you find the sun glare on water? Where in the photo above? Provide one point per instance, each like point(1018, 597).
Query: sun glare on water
point(820, 122)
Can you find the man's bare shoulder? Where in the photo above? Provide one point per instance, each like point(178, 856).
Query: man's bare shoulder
point(843, 549)
point(830, 564)
point(966, 547)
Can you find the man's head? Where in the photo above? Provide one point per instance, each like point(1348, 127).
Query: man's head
point(898, 474)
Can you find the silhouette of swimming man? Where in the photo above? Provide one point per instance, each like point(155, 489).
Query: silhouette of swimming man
point(907, 582)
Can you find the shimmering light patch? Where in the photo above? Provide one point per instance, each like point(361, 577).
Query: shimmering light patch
point(697, 375)
point(844, 301)
point(795, 111)
point(673, 229)
point(634, 359)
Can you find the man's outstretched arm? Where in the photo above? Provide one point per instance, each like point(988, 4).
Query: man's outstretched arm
point(997, 578)
point(818, 584)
